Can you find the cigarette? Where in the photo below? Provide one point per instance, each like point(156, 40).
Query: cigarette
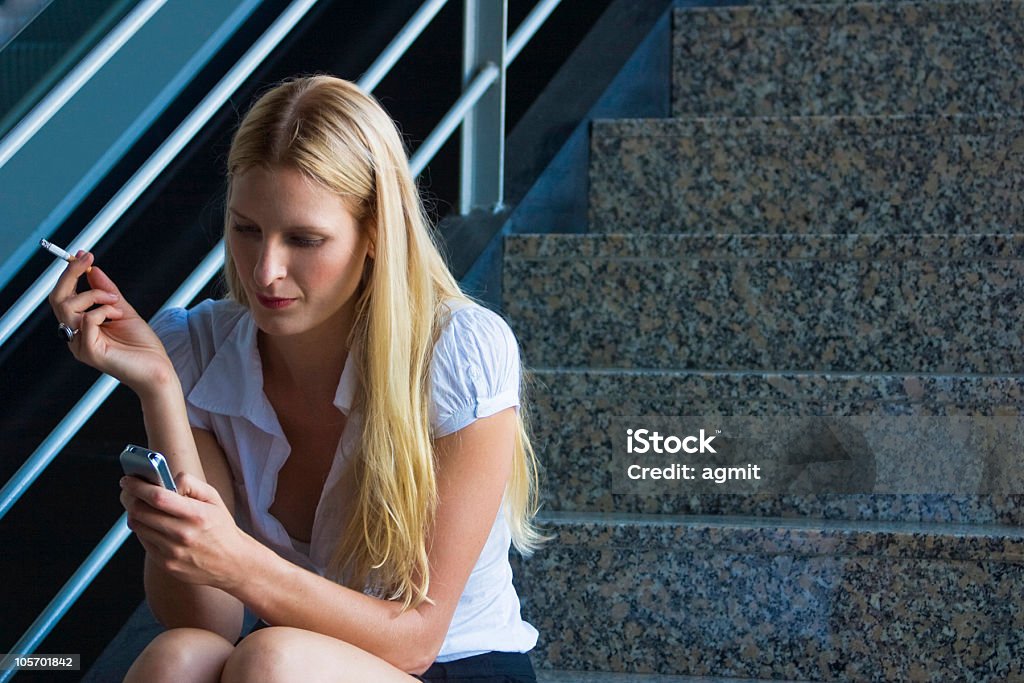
point(58, 252)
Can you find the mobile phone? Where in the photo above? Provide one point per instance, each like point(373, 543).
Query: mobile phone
point(141, 462)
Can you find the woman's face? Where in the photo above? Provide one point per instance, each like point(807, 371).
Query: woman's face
point(298, 251)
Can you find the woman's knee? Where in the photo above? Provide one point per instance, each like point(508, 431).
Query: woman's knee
point(277, 653)
point(271, 654)
point(182, 654)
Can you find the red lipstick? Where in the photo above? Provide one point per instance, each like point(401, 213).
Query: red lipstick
point(273, 302)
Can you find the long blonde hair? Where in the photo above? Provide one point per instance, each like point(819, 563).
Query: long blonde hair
point(340, 137)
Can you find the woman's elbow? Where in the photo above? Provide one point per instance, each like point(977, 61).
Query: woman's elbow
point(418, 659)
point(418, 665)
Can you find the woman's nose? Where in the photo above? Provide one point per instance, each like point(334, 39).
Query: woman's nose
point(270, 266)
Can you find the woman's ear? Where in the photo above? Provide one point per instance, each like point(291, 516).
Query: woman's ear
point(371, 233)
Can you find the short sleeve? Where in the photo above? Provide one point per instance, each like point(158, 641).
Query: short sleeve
point(475, 370)
point(171, 326)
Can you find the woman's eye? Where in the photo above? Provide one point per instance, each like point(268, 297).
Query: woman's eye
point(307, 241)
point(246, 229)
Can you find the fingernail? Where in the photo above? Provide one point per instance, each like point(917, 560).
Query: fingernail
point(80, 253)
point(122, 481)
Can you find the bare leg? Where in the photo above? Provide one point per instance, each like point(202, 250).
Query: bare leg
point(279, 654)
point(181, 654)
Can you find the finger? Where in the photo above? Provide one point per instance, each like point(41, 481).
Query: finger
point(92, 319)
point(100, 280)
point(131, 503)
point(154, 543)
point(127, 500)
point(134, 505)
point(138, 488)
point(193, 487)
point(71, 308)
point(101, 314)
point(150, 521)
point(158, 497)
point(157, 526)
point(67, 283)
point(89, 329)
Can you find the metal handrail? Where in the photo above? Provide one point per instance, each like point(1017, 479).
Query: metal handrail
point(98, 393)
point(164, 155)
point(115, 208)
point(72, 422)
point(450, 123)
point(71, 590)
point(76, 78)
point(382, 66)
point(188, 290)
point(529, 26)
point(200, 277)
point(478, 86)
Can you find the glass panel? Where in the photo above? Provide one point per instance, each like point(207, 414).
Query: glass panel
point(36, 55)
point(16, 14)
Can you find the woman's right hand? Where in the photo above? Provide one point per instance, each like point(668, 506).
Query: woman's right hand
point(111, 336)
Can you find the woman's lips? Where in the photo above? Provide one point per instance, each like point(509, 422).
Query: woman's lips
point(273, 302)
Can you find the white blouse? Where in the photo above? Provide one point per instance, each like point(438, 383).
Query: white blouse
point(475, 373)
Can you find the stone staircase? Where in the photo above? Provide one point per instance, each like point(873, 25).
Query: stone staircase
point(830, 225)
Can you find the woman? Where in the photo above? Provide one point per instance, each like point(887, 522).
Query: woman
point(344, 427)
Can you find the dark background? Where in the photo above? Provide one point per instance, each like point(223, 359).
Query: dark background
point(51, 530)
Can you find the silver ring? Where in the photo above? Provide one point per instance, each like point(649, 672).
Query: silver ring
point(66, 333)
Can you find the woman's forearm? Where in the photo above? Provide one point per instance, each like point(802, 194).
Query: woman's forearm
point(167, 427)
point(284, 594)
point(175, 603)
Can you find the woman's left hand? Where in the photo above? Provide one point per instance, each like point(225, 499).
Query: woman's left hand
point(190, 534)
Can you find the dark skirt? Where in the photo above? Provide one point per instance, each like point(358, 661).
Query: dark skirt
point(490, 667)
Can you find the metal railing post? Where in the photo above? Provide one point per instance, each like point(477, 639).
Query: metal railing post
point(481, 108)
point(482, 167)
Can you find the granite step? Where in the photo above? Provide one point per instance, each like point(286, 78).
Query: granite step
point(794, 599)
point(561, 676)
point(893, 175)
point(832, 303)
point(871, 58)
point(574, 413)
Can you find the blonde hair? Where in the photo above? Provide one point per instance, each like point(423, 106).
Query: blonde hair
point(340, 137)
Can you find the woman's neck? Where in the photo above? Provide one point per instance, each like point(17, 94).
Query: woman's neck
point(310, 363)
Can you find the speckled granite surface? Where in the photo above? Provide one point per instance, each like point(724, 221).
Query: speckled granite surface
point(849, 58)
point(563, 676)
point(788, 302)
point(860, 264)
point(783, 600)
point(572, 413)
point(909, 175)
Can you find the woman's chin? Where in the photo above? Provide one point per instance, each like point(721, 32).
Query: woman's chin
point(277, 325)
